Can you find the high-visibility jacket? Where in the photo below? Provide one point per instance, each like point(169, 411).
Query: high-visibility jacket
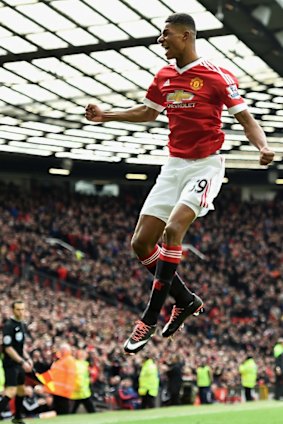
point(204, 376)
point(82, 386)
point(248, 371)
point(278, 349)
point(60, 380)
point(2, 376)
point(149, 379)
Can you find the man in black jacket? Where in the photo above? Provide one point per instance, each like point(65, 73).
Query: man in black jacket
point(175, 379)
point(16, 361)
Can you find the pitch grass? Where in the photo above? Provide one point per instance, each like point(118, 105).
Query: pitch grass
point(260, 412)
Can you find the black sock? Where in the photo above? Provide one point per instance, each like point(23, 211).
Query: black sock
point(181, 293)
point(166, 266)
point(4, 403)
point(160, 290)
point(178, 289)
point(18, 406)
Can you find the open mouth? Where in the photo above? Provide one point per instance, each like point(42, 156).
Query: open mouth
point(166, 48)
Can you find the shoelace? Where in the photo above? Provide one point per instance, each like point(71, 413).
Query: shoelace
point(175, 313)
point(140, 330)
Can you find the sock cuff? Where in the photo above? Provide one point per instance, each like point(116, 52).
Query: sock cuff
point(171, 254)
point(151, 259)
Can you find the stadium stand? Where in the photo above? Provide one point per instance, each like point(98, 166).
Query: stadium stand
point(99, 285)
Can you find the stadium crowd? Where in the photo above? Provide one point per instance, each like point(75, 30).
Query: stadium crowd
point(240, 280)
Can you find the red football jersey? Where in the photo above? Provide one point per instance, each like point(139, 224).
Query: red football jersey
point(193, 97)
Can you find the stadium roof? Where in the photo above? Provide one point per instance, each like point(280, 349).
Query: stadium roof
point(59, 55)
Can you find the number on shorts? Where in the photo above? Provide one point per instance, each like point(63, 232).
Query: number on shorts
point(199, 186)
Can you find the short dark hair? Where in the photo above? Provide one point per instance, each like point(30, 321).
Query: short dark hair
point(16, 302)
point(182, 19)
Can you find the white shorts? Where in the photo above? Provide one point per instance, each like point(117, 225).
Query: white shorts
point(194, 183)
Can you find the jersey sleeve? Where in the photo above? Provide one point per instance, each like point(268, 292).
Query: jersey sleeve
point(230, 94)
point(154, 98)
point(7, 335)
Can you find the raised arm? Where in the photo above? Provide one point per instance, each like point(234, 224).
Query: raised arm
point(256, 136)
point(141, 113)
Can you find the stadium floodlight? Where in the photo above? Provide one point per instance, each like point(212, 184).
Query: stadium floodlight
point(142, 177)
point(59, 171)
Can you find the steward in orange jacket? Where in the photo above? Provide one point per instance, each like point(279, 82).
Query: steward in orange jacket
point(60, 380)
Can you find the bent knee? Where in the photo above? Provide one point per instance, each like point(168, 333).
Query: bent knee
point(141, 246)
point(138, 244)
point(173, 233)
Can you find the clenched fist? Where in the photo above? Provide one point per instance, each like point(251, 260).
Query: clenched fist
point(93, 113)
point(266, 156)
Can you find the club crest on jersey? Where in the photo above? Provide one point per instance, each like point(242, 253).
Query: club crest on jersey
point(179, 96)
point(196, 83)
point(233, 91)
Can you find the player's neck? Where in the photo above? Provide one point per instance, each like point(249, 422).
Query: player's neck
point(187, 59)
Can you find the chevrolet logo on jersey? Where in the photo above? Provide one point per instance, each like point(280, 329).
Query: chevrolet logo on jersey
point(179, 96)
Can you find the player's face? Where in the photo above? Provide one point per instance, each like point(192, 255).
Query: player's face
point(173, 39)
point(19, 311)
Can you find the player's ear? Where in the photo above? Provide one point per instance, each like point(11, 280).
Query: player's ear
point(186, 35)
point(189, 35)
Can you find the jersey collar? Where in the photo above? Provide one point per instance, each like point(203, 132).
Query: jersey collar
point(14, 319)
point(189, 66)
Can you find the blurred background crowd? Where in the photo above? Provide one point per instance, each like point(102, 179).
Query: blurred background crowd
point(68, 257)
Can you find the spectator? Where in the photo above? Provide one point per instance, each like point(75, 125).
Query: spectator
point(248, 371)
point(112, 396)
point(148, 382)
point(2, 377)
point(128, 398)
point(82, 393)
point(278, 394)
point(60, 380)
point(278, 348)
point(36, 401)
point(175, 379)
point(38, 362)
point(204, 382)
